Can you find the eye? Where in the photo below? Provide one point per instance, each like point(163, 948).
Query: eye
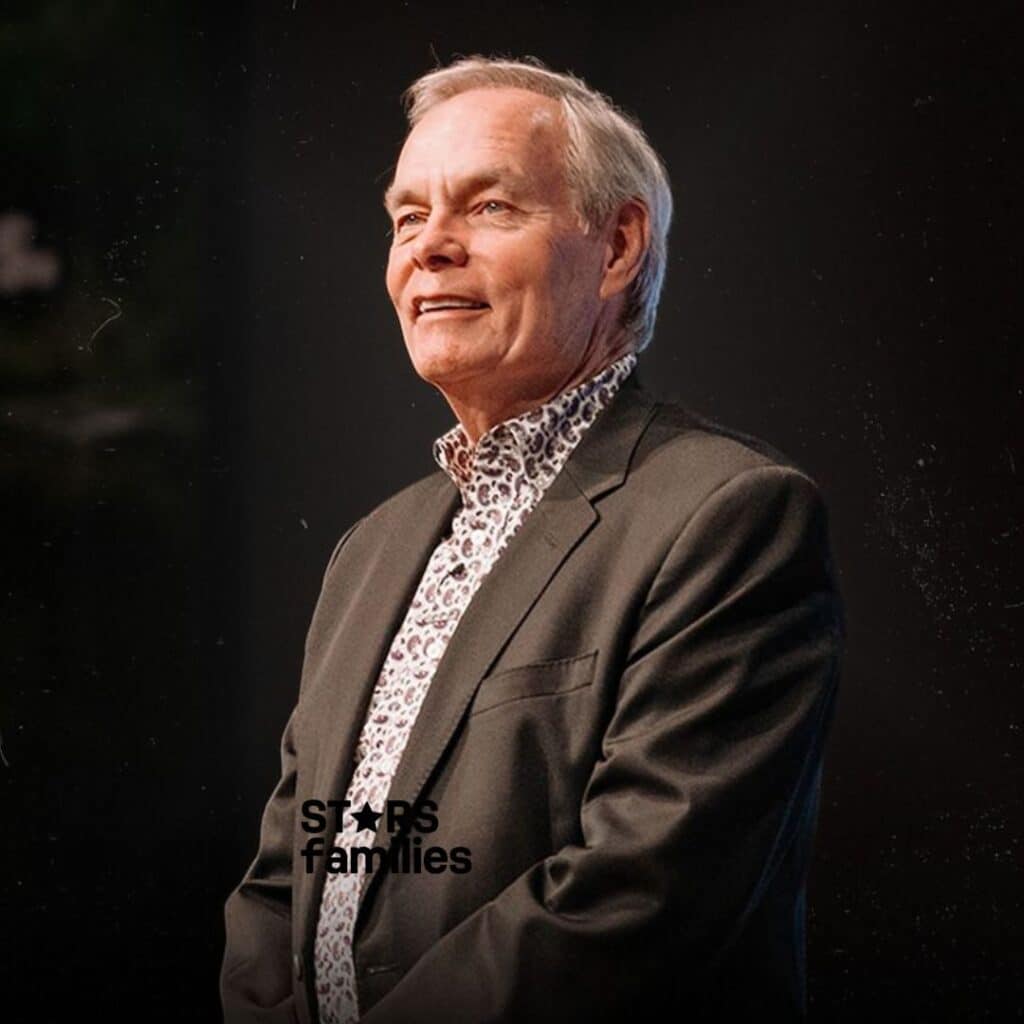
point(405, 219)
point(494, 206)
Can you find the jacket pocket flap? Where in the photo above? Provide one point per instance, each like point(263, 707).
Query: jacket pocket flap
point(537, 679)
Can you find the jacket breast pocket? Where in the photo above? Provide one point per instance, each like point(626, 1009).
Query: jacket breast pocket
point(538, 679)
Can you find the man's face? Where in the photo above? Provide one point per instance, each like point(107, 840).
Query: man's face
point(494, 280)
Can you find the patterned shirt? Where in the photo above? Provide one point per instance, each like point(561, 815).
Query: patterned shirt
point(500, 480)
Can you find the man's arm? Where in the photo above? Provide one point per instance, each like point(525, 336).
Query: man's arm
point(707, 763)
point(256, 975)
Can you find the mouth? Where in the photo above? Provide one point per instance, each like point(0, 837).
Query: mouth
point(434, 305)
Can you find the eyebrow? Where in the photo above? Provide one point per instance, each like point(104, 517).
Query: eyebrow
point(506, 176)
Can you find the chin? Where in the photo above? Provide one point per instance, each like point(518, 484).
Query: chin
point(444, 375)
point(441, 362)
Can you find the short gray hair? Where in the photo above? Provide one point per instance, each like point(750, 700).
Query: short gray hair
point(608, 159)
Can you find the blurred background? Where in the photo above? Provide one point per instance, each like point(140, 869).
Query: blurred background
point(202, 385)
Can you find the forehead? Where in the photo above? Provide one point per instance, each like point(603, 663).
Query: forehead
point(513, 130)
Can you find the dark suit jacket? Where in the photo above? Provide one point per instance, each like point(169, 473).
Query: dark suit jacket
point(626, 731)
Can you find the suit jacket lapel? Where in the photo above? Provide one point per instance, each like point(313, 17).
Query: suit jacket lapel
point(548, 535)
point(382, 584)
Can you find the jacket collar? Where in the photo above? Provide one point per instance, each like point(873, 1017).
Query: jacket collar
point(602, 459)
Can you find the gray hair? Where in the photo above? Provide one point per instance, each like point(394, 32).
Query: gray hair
point(608, 160)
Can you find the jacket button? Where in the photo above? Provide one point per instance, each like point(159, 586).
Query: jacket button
point(297, 965)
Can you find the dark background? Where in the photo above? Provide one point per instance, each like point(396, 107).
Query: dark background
point(203, 385)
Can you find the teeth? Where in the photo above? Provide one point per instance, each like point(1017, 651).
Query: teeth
point(427, 305)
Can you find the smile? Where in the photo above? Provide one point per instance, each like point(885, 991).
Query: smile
point(424, 304)
point(458, 311)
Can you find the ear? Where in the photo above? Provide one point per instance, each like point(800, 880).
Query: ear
point(627, 239)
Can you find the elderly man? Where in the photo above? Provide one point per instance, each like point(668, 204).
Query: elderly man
point(556, 754)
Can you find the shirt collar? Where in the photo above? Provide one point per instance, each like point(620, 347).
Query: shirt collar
point(527, 451)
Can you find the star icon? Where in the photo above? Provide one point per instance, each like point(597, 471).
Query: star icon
point(367, 818)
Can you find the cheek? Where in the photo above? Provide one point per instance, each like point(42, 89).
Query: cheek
point(536, 282)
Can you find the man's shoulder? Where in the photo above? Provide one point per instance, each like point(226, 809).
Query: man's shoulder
point(685, 456)
point(408, 501)
point(412, 496)
point(679, 432)
point(394, 512)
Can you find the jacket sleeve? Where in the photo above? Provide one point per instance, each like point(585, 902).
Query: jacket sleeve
point(256, 974)
point(709, 759)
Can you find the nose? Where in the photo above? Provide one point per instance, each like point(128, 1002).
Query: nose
point(437, 245)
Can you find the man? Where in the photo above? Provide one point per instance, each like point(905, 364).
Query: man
point(591, 660)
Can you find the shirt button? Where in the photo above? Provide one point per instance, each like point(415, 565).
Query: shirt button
point(297, 965)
